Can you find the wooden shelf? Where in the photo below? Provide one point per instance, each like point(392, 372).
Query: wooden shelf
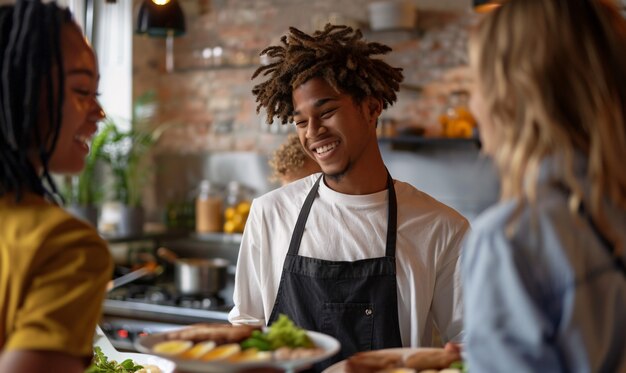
point(232, 238)
point(169, 235)
point(200, 68)
point(415, 142)
point(146, 236)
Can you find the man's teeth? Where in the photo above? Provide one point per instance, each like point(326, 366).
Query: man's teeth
point(81, 138)
point(326, 148)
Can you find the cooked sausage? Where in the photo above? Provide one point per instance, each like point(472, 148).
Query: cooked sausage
point(432, 359)
point(373, 361)
point(218, 333)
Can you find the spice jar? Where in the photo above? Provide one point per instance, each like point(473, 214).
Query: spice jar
point(208, 209)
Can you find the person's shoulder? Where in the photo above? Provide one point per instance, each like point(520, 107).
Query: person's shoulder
point(33, 214)
point(45, 229)
point(498, 228)
point(494, 218)
point(421, 203)
point(515, 219)
point(67, 231)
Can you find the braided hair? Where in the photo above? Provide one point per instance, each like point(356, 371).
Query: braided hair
point(31, 83)
point(338, 54)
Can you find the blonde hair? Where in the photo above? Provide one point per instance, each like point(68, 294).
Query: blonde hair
point(553, 78)
point(288, 159)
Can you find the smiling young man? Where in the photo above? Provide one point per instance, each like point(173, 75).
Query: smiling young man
point(349, 252)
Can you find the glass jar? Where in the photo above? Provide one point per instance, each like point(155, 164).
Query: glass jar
point(237, 202)
point(208, 208)
point(457, 120)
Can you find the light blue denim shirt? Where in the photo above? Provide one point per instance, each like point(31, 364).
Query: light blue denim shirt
point(548, 298)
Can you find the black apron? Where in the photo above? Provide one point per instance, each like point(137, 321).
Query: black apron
point(355, 302)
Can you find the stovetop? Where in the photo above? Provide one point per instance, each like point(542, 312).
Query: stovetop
point(152, 305)
point(166, 295)
point(161, 302)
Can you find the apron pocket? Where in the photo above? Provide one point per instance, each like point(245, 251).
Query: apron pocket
point(351, 323)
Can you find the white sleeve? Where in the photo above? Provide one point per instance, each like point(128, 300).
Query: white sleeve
point(248, 307)
point(447, 306)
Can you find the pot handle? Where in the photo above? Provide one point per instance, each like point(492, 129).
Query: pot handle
point(148, 269)
point(167, 255)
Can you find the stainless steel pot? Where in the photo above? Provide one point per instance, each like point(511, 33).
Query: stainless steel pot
point(197, 276)
point(200, 276)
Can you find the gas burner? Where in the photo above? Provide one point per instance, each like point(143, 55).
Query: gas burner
point(143, 293)
point(205, 302)
point(166, 295)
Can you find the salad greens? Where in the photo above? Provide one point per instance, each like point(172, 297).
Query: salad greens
point(101, 364)
point(282, 333)
point(460, 365)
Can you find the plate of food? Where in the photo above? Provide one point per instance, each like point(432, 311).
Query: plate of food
point(401, 360)
point(108, 359)
point(209, 347)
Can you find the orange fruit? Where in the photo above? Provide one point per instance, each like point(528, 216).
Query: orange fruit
point(230, 227)
point(229, 213)
point(243, 208)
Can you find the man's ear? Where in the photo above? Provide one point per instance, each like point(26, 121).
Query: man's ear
point(374, 107)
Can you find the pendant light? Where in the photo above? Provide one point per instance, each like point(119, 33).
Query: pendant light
point(485, 6)
point(162, 19)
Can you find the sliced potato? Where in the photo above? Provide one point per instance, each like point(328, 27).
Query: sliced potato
point(199, 350)
point(250, 354)
point(172, 348)
point(222, 352)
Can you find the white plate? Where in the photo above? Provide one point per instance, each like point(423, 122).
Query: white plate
point(340, 367)
point(100, 340)
point(327, 343)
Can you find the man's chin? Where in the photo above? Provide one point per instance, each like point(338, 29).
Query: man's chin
point(335, 173)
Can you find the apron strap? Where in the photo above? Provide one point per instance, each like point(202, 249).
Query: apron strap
point(392, 218)
point(298, 231)
point(619, 264)
point(605, 243)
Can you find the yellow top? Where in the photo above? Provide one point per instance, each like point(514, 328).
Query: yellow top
point(53, 273)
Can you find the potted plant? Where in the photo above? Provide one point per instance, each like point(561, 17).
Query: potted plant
point(125, 153)
point(83, 193)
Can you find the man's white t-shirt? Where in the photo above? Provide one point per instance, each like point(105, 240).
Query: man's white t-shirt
point(344, 227)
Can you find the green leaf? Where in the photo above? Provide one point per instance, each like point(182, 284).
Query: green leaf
point(101, 364)
point(460, 365)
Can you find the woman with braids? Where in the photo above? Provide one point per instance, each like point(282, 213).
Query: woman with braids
point(53, 267)
point(349, 252)
point(544, 269)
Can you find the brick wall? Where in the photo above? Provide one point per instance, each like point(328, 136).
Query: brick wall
point(207, 98)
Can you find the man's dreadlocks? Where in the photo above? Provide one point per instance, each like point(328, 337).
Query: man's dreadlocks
point(338, 55)
point(30, 57)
